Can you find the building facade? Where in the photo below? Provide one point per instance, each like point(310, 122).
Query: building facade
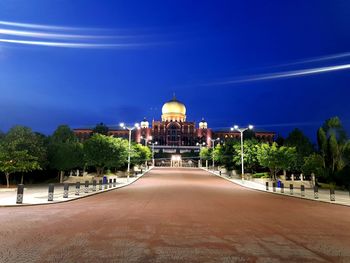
point(174, 131)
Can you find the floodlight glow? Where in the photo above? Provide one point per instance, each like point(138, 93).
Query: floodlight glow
point(251, 127)
point(122, 124)
point(137, 125)
point(235, 127)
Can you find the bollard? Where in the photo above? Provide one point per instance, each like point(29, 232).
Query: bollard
point(77, 188)
point(114, 182)
point(267, 186)
point(100, 185)
point(274, 186)
point(316, 192)
point(332, 194)
point(302, 191)
point(282, 188)
point(51, 189)
point(220, 172)
point(65, 190)
point(105, 183)
point(110, 183)
point(86, 189)
point(20, 189)
point(291, 189)
point(94, 185)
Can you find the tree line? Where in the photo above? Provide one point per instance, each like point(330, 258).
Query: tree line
point(23, 151)
point(329, 160)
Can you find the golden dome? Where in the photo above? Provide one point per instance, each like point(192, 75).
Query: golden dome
point(173, 110)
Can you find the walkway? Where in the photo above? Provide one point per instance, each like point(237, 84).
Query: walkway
point(177, 215)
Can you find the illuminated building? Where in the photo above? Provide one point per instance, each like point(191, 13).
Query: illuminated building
point(174, 133)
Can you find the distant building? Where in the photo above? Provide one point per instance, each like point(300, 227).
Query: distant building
point(173, 133)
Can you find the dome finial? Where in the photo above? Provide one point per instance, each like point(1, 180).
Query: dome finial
point(174, 96)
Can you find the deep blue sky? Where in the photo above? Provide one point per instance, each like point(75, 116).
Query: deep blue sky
point(187, 47)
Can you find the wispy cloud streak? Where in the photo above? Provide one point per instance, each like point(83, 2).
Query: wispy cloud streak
point(280, 75)
point(316, 59)
point(68, 45)
point(32, 34)
point(45, 35)
point(37, 26)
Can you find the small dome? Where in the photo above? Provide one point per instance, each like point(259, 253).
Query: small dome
point(144, 123)
point(203, 124)
point(174, 110)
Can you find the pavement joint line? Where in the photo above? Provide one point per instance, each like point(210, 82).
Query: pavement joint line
point(74, 198)
point(278, 193)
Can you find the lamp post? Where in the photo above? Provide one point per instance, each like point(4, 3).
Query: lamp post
point(153, 143)
point(129, 128)
point(213, 142)
point(242, 130)
point(200, 149)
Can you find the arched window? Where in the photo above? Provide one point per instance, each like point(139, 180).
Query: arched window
point(174, 134)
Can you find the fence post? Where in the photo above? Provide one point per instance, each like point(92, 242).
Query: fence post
point(282, 188)
point(114, 182)
point(302, 191)
point(100, 185)
point(332, 194)
point(94, 185)
point(267, 186)
point(291, 189)
point(86, 188)
point(274, 186)
point(77, 188)
point(19, 199)
point(65, 190)
point(51, 189)
point(110, 183)
point(316, 192)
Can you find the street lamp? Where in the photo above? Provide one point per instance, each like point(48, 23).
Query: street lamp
point(200, 149)
point(241, 130)
point(213, 142)
point(153, 143)
point(129, 128)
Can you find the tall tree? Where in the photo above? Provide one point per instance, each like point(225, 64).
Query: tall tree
point(64, 151)
point(140, 154)
point(333, 144)
point(21, 150)
point(63, 134)
point(302, 145)
point(250, 152)
point(276, 158)
point(313, 164)
point(223, 154)
point(66, 157)
point(206, 154)
point(102, 152)
point(101, 128)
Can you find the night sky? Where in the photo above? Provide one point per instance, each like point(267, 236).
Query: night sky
point(274, 64)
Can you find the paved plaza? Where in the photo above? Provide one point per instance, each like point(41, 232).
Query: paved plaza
point(177, 215)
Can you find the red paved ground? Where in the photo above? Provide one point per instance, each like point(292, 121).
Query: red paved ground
point(177, 215)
